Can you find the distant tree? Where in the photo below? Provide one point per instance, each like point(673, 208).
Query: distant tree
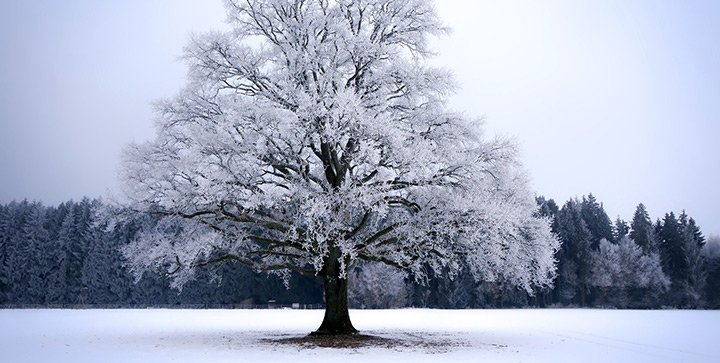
point(4, 263)
point(56, 261)
point(448, 290)
point(596, 220)
point(690, 227)
point(16, 250)
point(671, 248)
point(547, 207)
point(641, 229)
point(315, 135)
point(103, 275)
point(377, 286)
point(30, 283)
point(711, 255)
point(75, 238)
point(681, 243)
point(572, 284)
point(619, 269)
point(695, 280)
point(620, 229)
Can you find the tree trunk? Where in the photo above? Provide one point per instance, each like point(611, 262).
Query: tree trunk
point(337, 316)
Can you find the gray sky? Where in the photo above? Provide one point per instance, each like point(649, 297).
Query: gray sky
point(617, 98)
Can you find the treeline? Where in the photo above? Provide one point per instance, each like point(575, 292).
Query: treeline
point(637, 264)
point(59, 255)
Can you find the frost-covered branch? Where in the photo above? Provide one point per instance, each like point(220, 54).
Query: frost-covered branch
point(315, 134)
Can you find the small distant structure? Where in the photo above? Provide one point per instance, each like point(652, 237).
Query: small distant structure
point(296, 305)
point(272, 304)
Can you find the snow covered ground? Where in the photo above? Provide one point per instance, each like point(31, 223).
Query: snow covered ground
point(197, 336)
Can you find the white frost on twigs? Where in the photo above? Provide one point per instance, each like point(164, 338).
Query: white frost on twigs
point(315, 130)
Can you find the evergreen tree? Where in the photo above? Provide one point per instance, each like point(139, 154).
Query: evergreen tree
point(711, 255)
point(693, 284)
point(574, 261)
point(546, 207)
point(17, 251)
point(641, 229)
point(597, 221)
point(33, 238)
point(620, 229)
point(671, 248)
point(4, 263)
point(680, 246)
point(103, 275)
point(689, 226)
point(76, 239)
point(57, 259)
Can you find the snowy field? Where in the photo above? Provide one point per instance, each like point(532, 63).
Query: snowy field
point(198, 336)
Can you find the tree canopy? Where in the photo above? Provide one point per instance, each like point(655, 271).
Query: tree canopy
point(313, 135)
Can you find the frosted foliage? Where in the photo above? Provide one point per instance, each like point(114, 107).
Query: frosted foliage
point(626, 265)
point(377, 286)
point(317, 129)
point(711, 249)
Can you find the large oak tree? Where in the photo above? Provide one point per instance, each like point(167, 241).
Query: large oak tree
point(313, 135)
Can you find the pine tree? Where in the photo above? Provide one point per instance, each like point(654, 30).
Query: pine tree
point(546, 207)
point(596, 220)
point(641, 229)
point(77, 239)
point(676, 265)
point(711, 255)
point(4, 249)
point(574, 259)
point(620, 229)
point(34, 239)
point(694, 281)
point(103, 275)
point(17, 250)
point(58, 259)
point(671, 247)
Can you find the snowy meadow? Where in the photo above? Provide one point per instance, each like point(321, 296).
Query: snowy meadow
point(419, 335)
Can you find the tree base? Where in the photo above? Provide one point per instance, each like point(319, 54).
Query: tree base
point(334, 332)
point(346, 341)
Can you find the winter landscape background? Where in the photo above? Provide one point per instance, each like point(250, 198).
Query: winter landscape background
point(319, 162)
point(60, 256)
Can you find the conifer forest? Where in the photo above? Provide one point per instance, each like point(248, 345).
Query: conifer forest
point(64, 256)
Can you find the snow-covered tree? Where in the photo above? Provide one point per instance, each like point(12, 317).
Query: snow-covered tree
point(313, 135)
point(34, 237)
point(377, 286)
point(711, 255)
point(624, 267)
point(106, 281)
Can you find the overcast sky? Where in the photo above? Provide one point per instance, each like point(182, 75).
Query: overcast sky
point(617, 98)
